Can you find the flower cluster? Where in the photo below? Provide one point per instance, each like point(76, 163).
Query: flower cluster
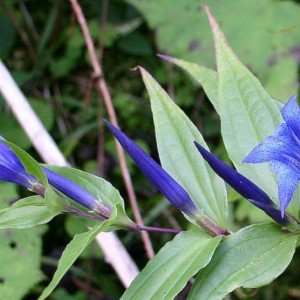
point(12, 170)
point(281, 151)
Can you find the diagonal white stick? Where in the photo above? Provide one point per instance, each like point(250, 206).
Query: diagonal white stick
point(114, 251)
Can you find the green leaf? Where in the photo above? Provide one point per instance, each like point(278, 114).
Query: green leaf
point(248, 114)
point(70, 254)
point(251, 257)
point(8, 192)
point(175, 136)
point(207, 78)
point(20, 258)
point(27, 212)
point(261, 44)
point(7, 34)
point(283, 81)
point(168, 272)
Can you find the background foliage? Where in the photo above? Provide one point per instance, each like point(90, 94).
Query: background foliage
point(49, 61)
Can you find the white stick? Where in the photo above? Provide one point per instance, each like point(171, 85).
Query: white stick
point(114, 251)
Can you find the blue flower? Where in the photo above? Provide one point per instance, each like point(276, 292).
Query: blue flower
point(12, 170)
point(77, 193)
point(282, 152)
point(171, 189)
point(244, 186)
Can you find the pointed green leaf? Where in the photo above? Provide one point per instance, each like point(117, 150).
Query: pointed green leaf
point(251, 257)
point(207, 78)
point(248, 114)
point(26, 212)
point(168, 272)
point(70, 254)
point(175, 135)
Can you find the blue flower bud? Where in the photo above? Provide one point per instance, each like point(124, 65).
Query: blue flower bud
point(169, 187)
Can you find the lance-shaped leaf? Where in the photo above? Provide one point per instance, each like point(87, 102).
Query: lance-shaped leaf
point(282, 151)
point(251, 257)
point(207, 78)
point(174, 134)
point(248, 114)
point(168, 272)
point(173, 191)
point(243, 186)
point(27, 212)
point(70, 254)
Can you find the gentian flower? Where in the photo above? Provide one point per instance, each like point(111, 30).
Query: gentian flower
point(77, 193)
point(170, 188)
point(244, 187)
point(282, 152)
point(12, 170)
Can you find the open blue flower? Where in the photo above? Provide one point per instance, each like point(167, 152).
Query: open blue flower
point(170, 188)
point(282, 152)
point(12, 170)
point(244, 186)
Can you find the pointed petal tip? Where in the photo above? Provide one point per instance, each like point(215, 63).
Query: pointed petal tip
point(111, 126)
point(202, 150)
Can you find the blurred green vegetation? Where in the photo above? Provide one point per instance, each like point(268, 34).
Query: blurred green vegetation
point(42, 46)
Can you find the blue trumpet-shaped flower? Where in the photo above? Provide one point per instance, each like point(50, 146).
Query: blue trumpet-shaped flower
point(12, 170)
point(171, 189)
point(76, 192)
point(282, 152)
point(244, 186)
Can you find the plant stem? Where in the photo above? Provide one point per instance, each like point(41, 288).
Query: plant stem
point(102, 86)
point(136, 227)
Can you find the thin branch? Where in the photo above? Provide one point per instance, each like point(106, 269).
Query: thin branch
point(105, 5)
point(114, 251)
point(112, 116)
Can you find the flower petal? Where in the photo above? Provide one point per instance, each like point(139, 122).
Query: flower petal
point(76, 192)
point(291, 114)
point(237, 181)
point(11, 168)
point(172, 190)
point(287, 180)
point(272, 212)
point(282, 151)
